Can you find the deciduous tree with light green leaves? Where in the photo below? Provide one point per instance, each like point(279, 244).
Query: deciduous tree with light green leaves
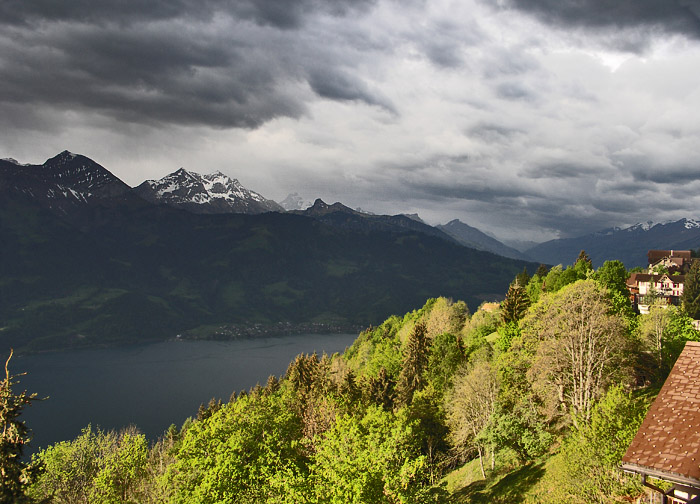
point(249, 451)
point(374, 459)
point(586, 470)
point(579, 346)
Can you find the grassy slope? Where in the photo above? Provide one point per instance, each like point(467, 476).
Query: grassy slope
point(509, 483)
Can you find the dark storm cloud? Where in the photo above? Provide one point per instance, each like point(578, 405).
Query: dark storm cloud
point(515, 91)
point(561, 171)
point(673, 175)
point(287, 14)
point(670, 16)
point(443, 42)
point(180, 62)
point(339, 85)
point(493, 133)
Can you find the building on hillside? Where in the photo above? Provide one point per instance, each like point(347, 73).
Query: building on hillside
point(671, 261)
point(667, 444)
point(645, 287)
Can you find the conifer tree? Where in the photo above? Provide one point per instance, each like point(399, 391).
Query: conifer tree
point(523, 278)
point(515, 304)
point(15, 474)
point(381, 390)
point(691, 291)
point(411, 378)
point(583, 256)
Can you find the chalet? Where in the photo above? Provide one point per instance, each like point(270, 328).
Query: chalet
point(645, 287)
point(667, 444)
point(671, 261)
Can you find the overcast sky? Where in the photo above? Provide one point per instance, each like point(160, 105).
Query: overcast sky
point(529, 119)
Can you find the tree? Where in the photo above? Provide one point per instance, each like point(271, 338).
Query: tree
point(249, 451)
point(691, 291)
point(470, 407)
point(664, 331)
point(97, 466)
point(577, 345)
point(523, 278)
point(15, 474)
point(379, 390)
point(653, 327)
point(411, 378)
point(515, 304)
point(373, 458)
point(69, 468)
point(123, 466)
point(587, 468)
point(584, 258)
point(613, 276)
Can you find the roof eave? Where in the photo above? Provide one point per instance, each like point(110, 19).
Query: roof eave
point(661, 474)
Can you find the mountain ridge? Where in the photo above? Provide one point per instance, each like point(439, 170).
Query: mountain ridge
point(629, 245)
point(472, 237)
point(210, 193)
point(120, 269)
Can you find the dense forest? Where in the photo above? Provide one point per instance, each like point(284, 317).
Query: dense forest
point(534, 399)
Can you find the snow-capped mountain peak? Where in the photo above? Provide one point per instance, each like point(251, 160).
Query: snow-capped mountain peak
point(641, 226)
point(212, 193)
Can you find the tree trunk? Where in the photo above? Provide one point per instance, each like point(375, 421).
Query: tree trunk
point(481, 462)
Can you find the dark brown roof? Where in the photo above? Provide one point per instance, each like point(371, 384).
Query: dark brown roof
point(656, 255)
point(667, 444)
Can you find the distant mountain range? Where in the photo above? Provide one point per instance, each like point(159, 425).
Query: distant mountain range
point(471, 237)
point(629, 245)
point(86, 260)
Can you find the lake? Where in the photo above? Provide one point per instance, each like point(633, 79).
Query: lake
point(150, 386)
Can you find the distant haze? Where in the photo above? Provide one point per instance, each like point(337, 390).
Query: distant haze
point(533, 119)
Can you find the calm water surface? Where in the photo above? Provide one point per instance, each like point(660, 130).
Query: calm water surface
point(150, 386)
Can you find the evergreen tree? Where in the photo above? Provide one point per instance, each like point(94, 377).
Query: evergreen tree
point(523, 278)
point(411, 378)
point(541, 271)
point(515, 304)
point(380, 390)
point(15, 474)
point(691, 291)
point(583, 256)
point(272, 385)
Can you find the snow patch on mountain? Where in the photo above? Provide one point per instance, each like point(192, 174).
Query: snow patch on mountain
point(213, 193)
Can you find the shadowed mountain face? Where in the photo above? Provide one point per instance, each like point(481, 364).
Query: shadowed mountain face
point(117, 268)
point(629, 245)
point(472, 237)
point(63, 183)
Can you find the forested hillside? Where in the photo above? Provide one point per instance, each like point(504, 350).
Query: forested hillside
point(439, 405)
point(132, 272)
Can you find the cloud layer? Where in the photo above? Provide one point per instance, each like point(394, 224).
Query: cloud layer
point(530, 119)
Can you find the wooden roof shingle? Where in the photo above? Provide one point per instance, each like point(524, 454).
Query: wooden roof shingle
point(667, 444)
